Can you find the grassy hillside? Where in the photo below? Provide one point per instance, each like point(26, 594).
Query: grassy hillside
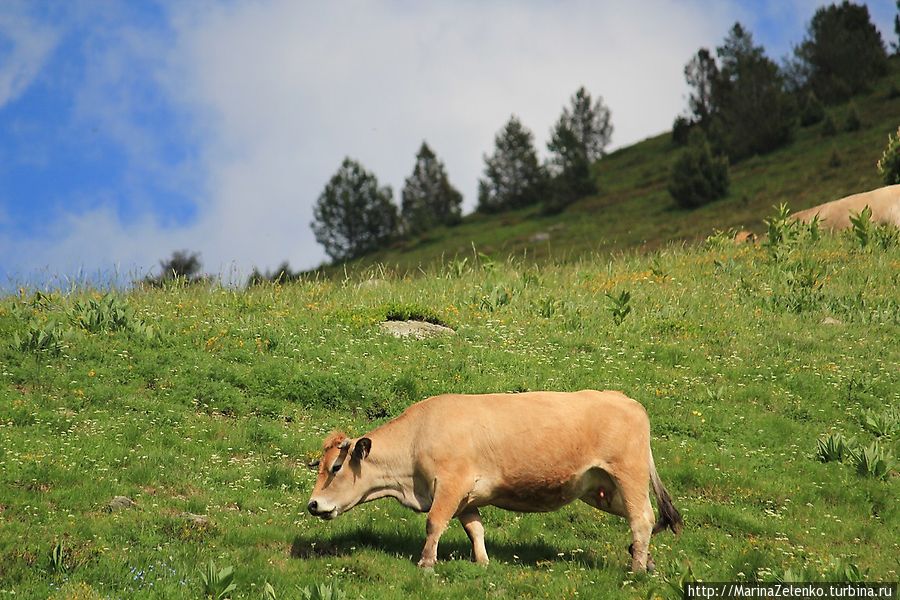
point(203, 404)
point(634, 210)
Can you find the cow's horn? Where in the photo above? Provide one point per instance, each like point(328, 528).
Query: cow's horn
point(344, 445)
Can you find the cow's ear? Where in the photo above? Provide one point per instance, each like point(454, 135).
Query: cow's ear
point(362, 448)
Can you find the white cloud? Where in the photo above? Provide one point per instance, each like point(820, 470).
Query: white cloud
point(25, 45)
point(288, 89)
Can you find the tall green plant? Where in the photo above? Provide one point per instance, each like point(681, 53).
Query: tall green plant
point(889, 164)
point(217, 583)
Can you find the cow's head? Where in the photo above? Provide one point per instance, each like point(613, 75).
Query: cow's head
point(339, 486)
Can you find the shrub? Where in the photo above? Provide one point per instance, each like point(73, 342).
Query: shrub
point(829, 128)
point(852, 122)
point(893, 92)
point(889, 163)
point(698, 177)
point(183, 266)
point(681, 130)
point(834, 161)
point(813, 112)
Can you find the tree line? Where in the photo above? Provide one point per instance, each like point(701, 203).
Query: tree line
point(741, 104)
point(355, 215)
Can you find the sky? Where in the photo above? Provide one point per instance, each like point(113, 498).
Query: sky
point(132, 129)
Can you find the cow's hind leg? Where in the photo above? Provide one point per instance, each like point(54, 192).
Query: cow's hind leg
point(640, 518)
point(446, 505)
point(471, 522)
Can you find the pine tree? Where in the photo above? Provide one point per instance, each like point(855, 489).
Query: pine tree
point(896, 43)
point(753, 112)
point(353, 215)
point(570, 168)
point(701, 73)
point(513, 177)
point(428, 198)
point(843, 52)
point(589, 123)
point(182, 265)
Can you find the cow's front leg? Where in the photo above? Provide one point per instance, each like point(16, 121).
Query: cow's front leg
point(471, 522)
point(446, 504)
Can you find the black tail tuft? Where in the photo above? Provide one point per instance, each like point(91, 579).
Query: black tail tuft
point(669, 517)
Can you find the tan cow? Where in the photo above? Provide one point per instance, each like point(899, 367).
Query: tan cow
point(531, 452)
point(884, 202)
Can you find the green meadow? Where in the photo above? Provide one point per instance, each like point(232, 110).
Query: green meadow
point(202, 404)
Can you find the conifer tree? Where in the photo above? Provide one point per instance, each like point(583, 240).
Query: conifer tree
point(513, 177)
point(590, 124)
point(353, 215)
point(843, 52)
point(428, 198)
point(753, 112)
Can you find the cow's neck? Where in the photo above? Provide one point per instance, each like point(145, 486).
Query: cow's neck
point(392, 465)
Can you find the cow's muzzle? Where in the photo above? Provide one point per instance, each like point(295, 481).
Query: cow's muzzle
point(316, 511)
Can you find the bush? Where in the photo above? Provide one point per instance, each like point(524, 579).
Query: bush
point(813, 112)
point(681, 130)
point(889, 163)
point(834, 161)
point(853, 122)
point(698, 177)
point(829, 128)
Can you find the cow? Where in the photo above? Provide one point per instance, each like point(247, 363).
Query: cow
point(449, 455)
point(884, 203)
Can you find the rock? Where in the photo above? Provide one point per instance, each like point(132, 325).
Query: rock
point(831, 321)
point(196, 520)
point(119, 503)
point(416, 329)
point(540, 236)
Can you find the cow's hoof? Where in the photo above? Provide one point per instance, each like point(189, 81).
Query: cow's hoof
point(427, 564)
point(650, 564)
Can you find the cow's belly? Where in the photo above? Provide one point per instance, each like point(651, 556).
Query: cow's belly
point(535, 496)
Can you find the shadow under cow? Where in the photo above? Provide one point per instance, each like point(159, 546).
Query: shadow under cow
point(410, 546)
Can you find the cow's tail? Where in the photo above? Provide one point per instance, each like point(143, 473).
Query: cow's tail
point(669, 517)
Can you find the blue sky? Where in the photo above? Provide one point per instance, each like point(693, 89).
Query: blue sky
point(132, 129)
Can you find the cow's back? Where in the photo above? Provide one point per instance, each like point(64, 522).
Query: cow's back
point(884, 203)
point(507, 435)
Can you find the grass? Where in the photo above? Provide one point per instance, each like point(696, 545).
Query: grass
point(633, 210)
point(203, 400)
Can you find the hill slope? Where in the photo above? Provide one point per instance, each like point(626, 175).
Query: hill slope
point(633, 209)
point(216, 408)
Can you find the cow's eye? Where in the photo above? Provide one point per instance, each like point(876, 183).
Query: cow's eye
point(336, 468)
